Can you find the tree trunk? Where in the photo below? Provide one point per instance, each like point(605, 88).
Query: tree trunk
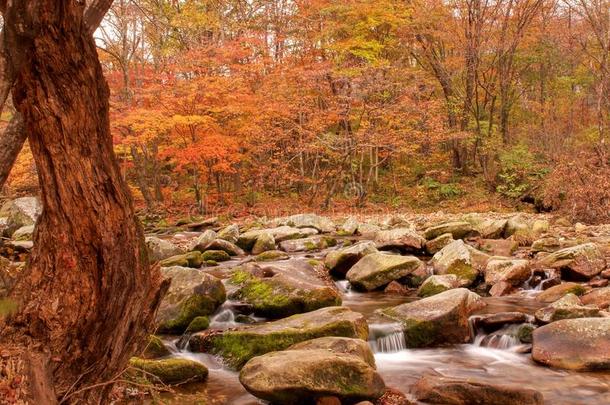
point(88, 295)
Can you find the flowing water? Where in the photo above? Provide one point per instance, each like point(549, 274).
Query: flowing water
point(498, 359)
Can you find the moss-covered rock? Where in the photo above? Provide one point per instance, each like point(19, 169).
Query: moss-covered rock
point(378, 269)
point(155, 348)
point(436, 320)
point(192, 293)
point(224, 245)
point(168, 371)
point(230, 233)
point(240, 345)
point(264, 242)
point(567, 307)
point(458, 229)
point(437, 284)
point(271, 255)
point(341, 260)
point(281, 233)
point(198, 324)
point(320, 223)
point(580, 262)
point(215, 255)
point(301, 376)
point(190, 259)
point(459, 259)
point(437, 244)
point(307, 244)
point(556, 292)
point(280, 289)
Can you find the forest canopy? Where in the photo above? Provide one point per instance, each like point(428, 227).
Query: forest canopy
point(359, 103)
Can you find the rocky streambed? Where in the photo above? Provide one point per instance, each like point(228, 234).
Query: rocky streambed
point(401, 309)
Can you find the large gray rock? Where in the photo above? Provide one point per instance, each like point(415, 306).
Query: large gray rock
point(237, 346)
point(567, 307)
point(20, 212)
point(229, 233)
point(192, 293)
point(220, 244)
point(577, 344)
point(281, 233)
point(513, 271)
point(160, 249)
point(299, 376)
point(437, 284)
point(322, 224)
point(307, 244)
point(458, 230)
point(459, 259)
point(404, 239)
point(355, 347)
point(437, 320)
point(341, 260)
point(378, 269)
point(263, 243)
point(279, 289)
point(452, 391)
point(488, 228)
point(579, 262)
point(437, 244)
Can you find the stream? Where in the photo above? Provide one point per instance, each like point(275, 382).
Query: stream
point(500, 359)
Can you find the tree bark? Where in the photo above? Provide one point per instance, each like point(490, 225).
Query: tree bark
point(88, 295)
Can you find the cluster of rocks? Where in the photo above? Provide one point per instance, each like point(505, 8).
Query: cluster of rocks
point(312, 349)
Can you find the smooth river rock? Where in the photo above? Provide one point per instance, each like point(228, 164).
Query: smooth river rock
point(580, 262)
point(378, 269)
point(341, 260)
point(576, 344)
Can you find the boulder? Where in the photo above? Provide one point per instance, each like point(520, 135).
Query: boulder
point(576, 344)
point(239, 345)
point(396, 288)
point(155, 348)
point(437, 244)
point(220, 244)
point(192, 293)
point(488, 228)
point(368, 229)
point(160, 249)
point(203, 240)
point(341, 260)
point(300, 376)
point(404, 239)
point(24, 233)
point(281, 233)
point(349, 227)
point(271, 256)
point(451, 391)
point(498, 247)
point(230, 233)
point(378, 269)
point(20, 212)
point(513, 271)
point(459, 259)
point(215, 255)
point(458, 230)
point(501, 288)
point(190, 259)
point(320, 223)
point(519, 229)
point(567, 307)
point(556, 292)
point(355, 347)
point(279, 289)
point(437, 284)
point(264, 243)
point(307, 244)
point(580, 262)
point(599, 297)
point(548, 244)
point(168, 371)
point(436, 320)
point(493, 322)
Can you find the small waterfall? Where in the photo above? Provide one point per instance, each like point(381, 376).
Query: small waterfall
point(503, 339)
point(344, 286)
point(224, 319)
point(386, 338)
